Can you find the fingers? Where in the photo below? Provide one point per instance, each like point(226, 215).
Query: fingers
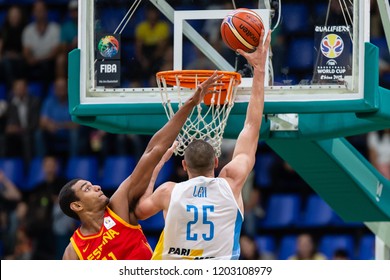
point(170, 151)
point(214, 77)
point(212, 81)
point(267, 40)
point(265, 43)
point(217, 84)
point(241, 52)
point(211, 85)
point(261, 40)
point(219, 77)
point(174, 144)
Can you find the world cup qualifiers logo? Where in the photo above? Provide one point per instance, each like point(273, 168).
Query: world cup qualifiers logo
point(108, 46)
point(332, 46)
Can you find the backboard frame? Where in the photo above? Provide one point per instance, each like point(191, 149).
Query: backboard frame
point(325, 98)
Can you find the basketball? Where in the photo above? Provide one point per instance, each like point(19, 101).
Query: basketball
point(241, 29)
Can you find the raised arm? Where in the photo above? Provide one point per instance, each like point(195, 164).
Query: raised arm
point(136, 184)
point(168, 154)
point(244, 153)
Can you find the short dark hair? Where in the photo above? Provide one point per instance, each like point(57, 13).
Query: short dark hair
point(199, 156)
point(66, 197)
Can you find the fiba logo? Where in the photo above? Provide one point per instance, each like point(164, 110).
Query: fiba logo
point(331, 62)
point(108, 46)
point(332, 46)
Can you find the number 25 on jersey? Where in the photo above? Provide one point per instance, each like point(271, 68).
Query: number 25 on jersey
point(207, 225)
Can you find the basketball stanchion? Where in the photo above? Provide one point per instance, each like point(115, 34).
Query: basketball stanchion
point(207, 121)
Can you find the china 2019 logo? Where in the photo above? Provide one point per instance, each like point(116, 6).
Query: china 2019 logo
point(332, 46)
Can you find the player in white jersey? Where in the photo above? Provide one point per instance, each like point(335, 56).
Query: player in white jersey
point(210, 211)
point(203, 215)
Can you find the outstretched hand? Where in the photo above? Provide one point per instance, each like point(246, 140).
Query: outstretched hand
point(168, 154)
point(204, 87)
point(259, 56)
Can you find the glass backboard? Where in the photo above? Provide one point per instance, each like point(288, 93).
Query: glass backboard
point(318, 62)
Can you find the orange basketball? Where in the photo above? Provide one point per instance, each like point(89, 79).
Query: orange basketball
point(241, 29)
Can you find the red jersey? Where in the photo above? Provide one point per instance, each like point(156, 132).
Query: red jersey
point(116, 240)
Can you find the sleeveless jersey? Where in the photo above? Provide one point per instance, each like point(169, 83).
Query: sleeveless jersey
point(203, 221)
point(116, 240)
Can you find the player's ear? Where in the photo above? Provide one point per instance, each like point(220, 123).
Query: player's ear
point(184, 164)
point(76, 206)
point(216, 162)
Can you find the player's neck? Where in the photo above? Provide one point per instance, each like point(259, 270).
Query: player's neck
point(92, 223)
point(209, 174)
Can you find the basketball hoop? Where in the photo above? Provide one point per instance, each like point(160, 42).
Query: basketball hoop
point(205, 122)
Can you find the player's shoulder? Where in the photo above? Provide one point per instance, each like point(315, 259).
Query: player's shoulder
point(231, 171)
point(70, 253)
point(223, 178)
point(162, 195)
point(166, 187)
point(234, 176)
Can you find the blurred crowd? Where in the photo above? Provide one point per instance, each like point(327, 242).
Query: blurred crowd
point(35, 39)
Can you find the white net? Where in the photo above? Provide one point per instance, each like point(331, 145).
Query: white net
point(206, 122)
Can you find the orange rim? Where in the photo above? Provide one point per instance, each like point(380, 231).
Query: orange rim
point(191, 78)
point(188, 78)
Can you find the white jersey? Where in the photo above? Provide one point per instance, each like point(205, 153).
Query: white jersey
point(203, 222)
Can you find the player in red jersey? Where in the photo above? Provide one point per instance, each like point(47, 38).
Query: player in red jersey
point(109, 228)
